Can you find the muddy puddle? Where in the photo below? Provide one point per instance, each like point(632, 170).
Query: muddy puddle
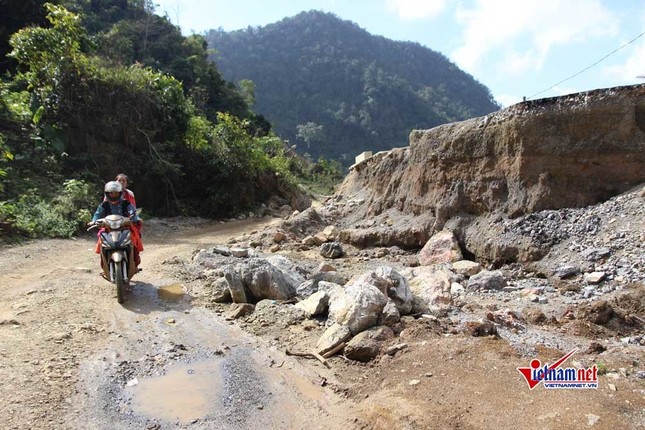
point(185, 393)
point(171, 293)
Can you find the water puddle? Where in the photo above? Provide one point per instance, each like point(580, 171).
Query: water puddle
point(307, 388)
point(171, 293)
point(184, 394)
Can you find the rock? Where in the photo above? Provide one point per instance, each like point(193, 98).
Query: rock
point(219, 291)
point(466, 267)
point(456, 288)
point(325, 267)
point(595, 348)
point(318, 283)
point(222, 250)
point(331, 250)
point(315, 304)
point(309, 241)
point(392, 350)
point(320, 238)
point(487, 280)
point(534, 316)
point(440, 248)
point(307, 288)
point(592, 419)
point(594, 277)
point(366, 345)
point(331, 232)
point(390, 315)
point(335, 277)
point(332, 337)
point(237, 292)
point(279, 237)
point(330, 288)
point(567, 271)
point(263, 280)
point(481, 328)
point(239, 252)
point(595, 254)
point(392, 284)
point(239, 310)
point(358, 306)
point(430, 289)
point(60, 336)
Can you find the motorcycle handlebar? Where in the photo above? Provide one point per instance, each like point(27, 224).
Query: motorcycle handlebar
point(100, 221)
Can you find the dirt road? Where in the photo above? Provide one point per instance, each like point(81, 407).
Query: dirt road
point(72, 357)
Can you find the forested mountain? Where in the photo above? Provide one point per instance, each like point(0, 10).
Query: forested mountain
point(335, 90)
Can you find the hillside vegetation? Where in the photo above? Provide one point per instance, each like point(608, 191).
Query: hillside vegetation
point(335, 90)
point(94, 88)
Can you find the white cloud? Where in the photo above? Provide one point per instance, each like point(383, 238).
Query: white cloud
point(417, 9)
point(519, 35)
point(628, 72)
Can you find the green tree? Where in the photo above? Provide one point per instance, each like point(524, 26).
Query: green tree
point(247, 89)
point(311, 132)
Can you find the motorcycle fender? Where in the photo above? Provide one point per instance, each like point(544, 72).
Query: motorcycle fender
point(117, 257)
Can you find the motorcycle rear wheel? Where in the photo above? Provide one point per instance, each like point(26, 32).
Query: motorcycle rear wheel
point(120, 283)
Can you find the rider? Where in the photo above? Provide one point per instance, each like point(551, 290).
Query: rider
point(115, 204)
point(123, 179)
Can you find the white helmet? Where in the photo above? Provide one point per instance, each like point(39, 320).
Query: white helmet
point(113, 187)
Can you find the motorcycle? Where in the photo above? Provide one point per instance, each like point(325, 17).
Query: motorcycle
point(117, 252)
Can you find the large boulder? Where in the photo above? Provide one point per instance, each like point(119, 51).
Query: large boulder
point(392, 284)
point(430, 289)
point(487, 280)
point(257, 279)
point(440, 248)
point(358, 306)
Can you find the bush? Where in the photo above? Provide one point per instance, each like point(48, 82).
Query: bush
point(33, 215)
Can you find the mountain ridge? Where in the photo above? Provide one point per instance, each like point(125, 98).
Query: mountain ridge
point(367, 92)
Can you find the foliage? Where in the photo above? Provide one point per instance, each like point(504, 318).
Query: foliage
point(48, 53)
point(62, 215)
point(17, 14)
point(365, 92)
point(319, 177)
point(109, 87)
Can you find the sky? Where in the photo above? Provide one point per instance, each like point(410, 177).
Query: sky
point(516, 48)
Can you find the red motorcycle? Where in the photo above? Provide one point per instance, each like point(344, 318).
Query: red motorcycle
point(117, 252)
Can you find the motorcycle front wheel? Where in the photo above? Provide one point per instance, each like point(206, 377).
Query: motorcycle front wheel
point(120, 283)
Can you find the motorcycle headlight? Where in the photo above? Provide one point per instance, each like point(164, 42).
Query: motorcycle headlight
point(114, 224)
